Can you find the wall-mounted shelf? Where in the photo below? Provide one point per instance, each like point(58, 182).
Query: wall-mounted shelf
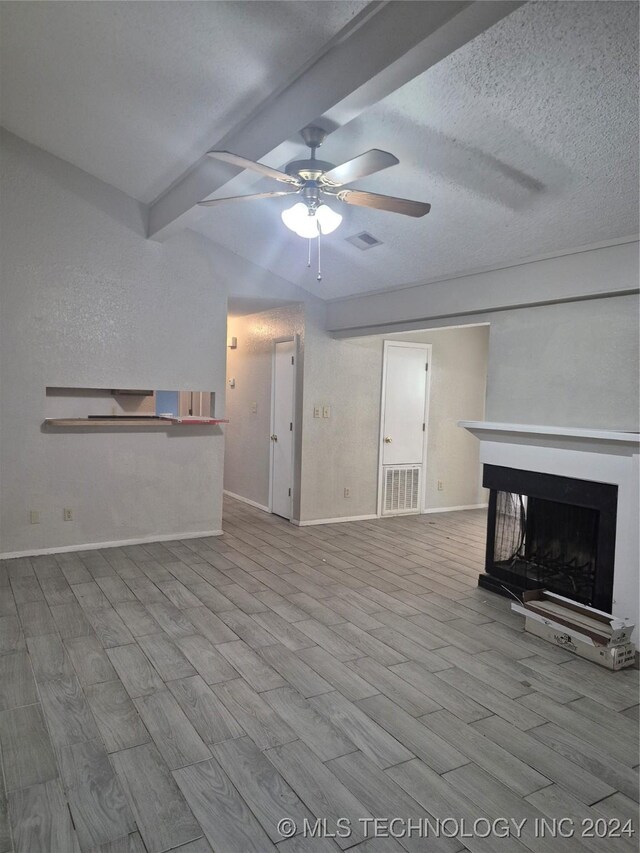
point(138, 423)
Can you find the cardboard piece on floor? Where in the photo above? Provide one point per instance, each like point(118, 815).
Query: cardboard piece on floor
point(589, 633)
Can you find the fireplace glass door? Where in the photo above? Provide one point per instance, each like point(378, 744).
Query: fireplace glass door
point(550, 532)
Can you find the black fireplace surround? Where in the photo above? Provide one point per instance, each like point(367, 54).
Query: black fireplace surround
point(550, 532)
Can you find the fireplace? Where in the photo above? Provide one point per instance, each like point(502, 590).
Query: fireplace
point(552, 532)
point(585, 460)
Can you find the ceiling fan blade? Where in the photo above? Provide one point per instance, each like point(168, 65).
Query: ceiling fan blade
point(366, 164)
point(213, 201)
point(243, 163)
point(384, 202)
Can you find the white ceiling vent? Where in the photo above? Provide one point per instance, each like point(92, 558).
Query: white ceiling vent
point(364, 240)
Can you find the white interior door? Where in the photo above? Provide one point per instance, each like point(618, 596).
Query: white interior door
point(403, 426)
point(282, 428)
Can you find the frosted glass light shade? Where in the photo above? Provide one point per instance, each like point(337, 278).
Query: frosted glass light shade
point(309, 224)
point(296, 217)
point(328, 219)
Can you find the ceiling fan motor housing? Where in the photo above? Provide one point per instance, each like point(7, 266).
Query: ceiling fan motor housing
point(311, 194)
point(308, 170)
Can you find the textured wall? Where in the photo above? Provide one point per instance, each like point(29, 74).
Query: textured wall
point(247, 446)
point(458, 385)
point(88, 301)
point(342, 451)
point(574, 364)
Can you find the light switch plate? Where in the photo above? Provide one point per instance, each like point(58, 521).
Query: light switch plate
point(326, 411)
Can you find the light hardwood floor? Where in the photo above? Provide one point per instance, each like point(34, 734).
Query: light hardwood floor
point(189, 695)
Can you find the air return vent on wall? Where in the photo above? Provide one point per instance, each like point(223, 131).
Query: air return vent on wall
point(401, 490)
point(364, 240)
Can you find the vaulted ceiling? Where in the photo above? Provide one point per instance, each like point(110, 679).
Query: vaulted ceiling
point(134, 93)
point(518, 122)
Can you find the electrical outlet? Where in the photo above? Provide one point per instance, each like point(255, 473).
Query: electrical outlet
point(316, 411)
point(34, 516)
point(440, 486)
point(347, 492)
point(254, 408)
point(67, 514)
point(326, 411)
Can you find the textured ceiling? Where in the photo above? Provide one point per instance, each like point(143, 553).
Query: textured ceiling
point(525, 140)
point(135, 92)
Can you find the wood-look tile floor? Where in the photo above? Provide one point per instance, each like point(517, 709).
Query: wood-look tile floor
point(189, 695)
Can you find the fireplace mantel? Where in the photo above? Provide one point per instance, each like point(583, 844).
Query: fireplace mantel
point(582, 453)
point(488, 430)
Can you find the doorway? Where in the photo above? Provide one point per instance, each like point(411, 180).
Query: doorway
point(403, 427)
point(282, 427)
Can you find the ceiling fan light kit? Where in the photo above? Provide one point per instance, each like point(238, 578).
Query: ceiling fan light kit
point(311, 221)
point(315, 180)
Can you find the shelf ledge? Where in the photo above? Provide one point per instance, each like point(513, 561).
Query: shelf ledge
point(133, 422)
point(481, 428)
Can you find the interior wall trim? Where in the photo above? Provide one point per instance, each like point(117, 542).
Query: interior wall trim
point(94, 546)
point(333, 520)
point(454, 508)
point(245, 500)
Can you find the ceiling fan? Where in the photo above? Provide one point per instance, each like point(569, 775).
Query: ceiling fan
point(317, 181)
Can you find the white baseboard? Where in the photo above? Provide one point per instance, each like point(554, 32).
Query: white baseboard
point(333, 520)
point(246, 501)
point(94, 546)
point(374, 516)
point(454, 508)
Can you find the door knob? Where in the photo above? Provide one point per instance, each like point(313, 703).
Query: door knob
point(387, 439)
point(274, 437)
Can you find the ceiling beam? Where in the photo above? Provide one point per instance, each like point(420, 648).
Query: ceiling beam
point(590, 272)
point(382, 49)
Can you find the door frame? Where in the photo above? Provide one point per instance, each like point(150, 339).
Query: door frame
point(423, 480)
point(296, 348)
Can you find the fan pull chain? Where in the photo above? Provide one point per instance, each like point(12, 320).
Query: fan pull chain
point(309, 258)
point(319, 276)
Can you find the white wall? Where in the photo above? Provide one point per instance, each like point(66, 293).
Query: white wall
point(247, 445)
point(573, 364)
point(458, 385)
point(564, 333)
point(88, 301)
point(342, 451)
